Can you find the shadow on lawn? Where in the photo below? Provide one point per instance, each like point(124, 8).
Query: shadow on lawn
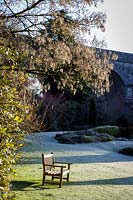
point(115, 181)
point(20, 185)
point(29, 186)
point(30, 160)
point(104, 158)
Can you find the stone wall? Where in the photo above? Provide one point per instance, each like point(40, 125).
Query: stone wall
point(117, 105)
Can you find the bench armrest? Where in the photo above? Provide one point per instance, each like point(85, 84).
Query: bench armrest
point(63, 162)
point(55, 165)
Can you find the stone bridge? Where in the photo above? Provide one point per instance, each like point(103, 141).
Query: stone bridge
point(117, 105)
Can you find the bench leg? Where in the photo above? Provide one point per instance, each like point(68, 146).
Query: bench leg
point(61, 177)
point(43, 181)
point(68, 177)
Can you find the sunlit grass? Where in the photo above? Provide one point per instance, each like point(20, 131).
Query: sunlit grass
point(110, 180)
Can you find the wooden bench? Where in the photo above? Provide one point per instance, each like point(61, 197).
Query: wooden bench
point(58, 170)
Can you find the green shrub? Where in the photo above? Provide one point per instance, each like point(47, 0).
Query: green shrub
point(88, 139)
point(112, 130)
point(105, 137)
point(14, 123)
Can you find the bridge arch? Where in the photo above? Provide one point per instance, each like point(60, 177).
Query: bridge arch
point(110, 106)
point(120, 76)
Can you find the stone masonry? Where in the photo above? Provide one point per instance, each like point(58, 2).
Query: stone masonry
point(117, 105)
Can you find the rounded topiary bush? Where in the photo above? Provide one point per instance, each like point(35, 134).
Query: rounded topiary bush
point(83, 137)
point(112, 130)
point(88, 139)
point(105, 137)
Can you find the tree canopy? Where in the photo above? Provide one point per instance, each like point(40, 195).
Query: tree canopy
point(49, 34)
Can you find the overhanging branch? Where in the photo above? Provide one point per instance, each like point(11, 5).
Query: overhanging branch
point(24, 10)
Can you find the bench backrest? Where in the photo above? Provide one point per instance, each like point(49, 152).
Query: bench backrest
point(47, 159)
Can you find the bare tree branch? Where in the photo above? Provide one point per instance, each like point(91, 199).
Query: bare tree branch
point(26, 9)
point(14, 14)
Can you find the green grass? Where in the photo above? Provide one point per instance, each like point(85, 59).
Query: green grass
point(88, 180)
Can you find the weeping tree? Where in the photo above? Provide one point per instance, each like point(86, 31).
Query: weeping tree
point(62, 63)
point(45, 39)
point(52, 36)
point(63, 60)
